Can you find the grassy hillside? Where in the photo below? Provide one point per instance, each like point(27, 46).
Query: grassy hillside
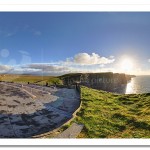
point(40, 80)
point(107, 115)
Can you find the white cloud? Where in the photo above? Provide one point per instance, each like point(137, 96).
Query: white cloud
point(82, 62)
point(37, 33)
point(9, 34)
point(148, 60)
point(47, 67)
point(29, 29)
point(23, 52)
point(5, 33)
point(5, 68)
point(60, 69)
point(4, 53)
point(87, 59)
point(40, 68)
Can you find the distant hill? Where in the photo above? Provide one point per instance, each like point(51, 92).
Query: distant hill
point(36, 79)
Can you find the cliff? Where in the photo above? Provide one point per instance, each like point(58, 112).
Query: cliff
point(112, 82)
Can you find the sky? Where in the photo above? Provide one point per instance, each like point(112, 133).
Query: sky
point(55, 43)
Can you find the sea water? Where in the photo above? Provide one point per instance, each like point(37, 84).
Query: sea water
point(138, 84)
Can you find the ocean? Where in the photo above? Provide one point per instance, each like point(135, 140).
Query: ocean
point(138, 85)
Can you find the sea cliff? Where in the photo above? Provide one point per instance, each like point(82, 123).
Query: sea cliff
point(112, 82)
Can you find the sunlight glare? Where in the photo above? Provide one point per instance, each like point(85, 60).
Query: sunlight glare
point(127, 65)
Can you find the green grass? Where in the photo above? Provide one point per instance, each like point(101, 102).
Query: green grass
point(108, 115)
point(40, 80)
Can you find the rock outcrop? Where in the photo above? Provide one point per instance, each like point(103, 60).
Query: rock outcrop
point(112, 82)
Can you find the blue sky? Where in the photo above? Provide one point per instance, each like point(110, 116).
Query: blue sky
point(62, 42)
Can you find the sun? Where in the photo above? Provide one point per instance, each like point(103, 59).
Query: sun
point(127, 65)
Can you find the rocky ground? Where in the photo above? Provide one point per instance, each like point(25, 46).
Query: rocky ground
point(30, 110)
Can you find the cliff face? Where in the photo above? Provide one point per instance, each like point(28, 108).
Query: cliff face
point(109, 81)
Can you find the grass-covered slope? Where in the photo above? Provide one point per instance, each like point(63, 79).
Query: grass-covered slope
point(40, 80)
point(108, 115)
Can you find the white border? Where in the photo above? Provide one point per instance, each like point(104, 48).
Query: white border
point(74, 5)
point(75, 142)
point(75, 8)
point(67, 6)
point(74, 2)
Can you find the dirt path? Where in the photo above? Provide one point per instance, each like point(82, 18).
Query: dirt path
point(71, 132)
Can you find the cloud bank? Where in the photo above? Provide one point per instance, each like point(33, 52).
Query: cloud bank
point(87, 59)
point(5, 68)
point(81, 62)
